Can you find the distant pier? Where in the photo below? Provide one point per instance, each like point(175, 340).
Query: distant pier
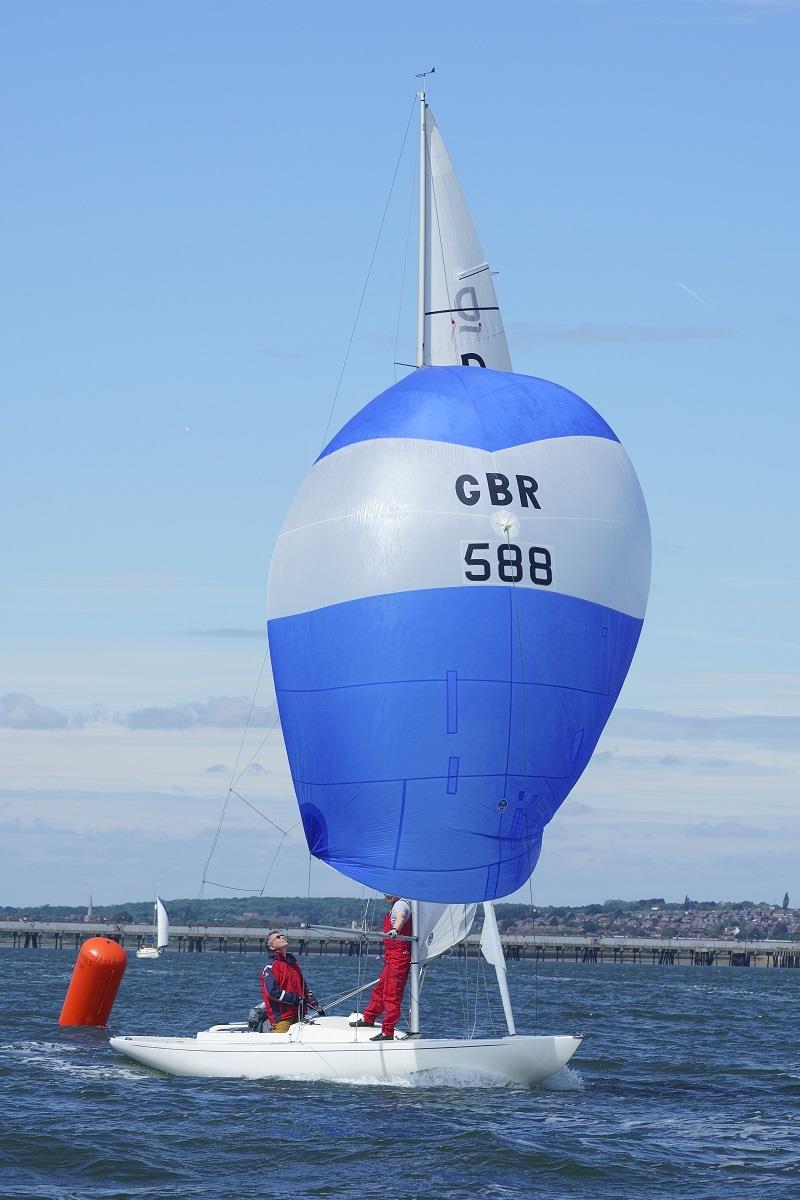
point(199, 939)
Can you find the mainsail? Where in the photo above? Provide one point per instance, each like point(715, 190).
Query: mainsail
point(463, 326)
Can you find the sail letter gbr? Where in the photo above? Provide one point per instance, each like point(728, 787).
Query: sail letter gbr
point(454, 601)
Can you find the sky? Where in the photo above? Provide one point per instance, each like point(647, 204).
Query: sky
point(190, 197)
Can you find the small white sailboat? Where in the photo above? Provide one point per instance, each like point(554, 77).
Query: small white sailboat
point(331, 1047)
point(160, 933)
point(454, 601)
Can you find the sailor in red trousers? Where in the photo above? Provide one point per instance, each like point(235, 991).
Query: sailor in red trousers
point(387, 995)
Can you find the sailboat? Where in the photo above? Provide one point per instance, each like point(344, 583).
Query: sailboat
point(454, 601)
point(160, 933)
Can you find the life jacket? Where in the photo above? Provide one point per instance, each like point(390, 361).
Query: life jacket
point(287, 978)
point(267, 1004)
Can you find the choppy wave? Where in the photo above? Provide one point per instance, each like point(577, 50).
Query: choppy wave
point(52, 1057)
point(685, 1088)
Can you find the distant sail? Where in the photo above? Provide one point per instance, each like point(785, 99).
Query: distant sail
point(463, 326)
point(162, 925)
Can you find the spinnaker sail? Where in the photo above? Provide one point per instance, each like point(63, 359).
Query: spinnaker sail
point(454, 601)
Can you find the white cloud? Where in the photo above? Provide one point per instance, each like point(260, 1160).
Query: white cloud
point(774, 731)
point(22, 712)
point(150, 786)
point(726, 829)
point(225, 712)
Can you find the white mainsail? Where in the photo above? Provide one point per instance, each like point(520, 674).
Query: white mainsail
point(463, 326)
point(162, 925)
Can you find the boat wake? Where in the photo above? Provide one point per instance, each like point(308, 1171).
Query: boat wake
point(565, 1080)
point(58, 1059)
point(441, 1077)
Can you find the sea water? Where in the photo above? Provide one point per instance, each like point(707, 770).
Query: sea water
point(687, 1085)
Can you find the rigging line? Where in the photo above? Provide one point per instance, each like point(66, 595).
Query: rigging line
point(535, 959)
point(489, 1003)
point(528, 766)
point(249, 715)
point(435, 199)
point(366, 281)
point(233, 774)
point(190, 1020)
point(248, 891)
point(526, 809)
point(507, 532)
point(272, 864)
point(396, 364)
point(249, 804)
point(260, 747)
point(346, 996)
point(363, 950)
point(214, 842)
point(463, 990)
point(479, 973)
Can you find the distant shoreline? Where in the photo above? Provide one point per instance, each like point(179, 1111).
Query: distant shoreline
point(653, 917)
point(200, 941)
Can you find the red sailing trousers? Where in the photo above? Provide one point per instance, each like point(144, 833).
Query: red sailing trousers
point(387, 995)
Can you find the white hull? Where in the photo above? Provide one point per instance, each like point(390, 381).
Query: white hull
point(331, 1049)
point(148, 952)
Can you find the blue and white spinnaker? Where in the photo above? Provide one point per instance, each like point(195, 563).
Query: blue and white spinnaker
point(454, 602)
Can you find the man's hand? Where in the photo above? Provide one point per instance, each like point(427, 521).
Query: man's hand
point(392, 933)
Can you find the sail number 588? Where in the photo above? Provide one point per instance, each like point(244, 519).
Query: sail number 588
point(508, 562)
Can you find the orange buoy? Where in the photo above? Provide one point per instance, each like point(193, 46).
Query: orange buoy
point(95, 982)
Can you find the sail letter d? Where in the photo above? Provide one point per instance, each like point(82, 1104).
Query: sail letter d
point(467, 307)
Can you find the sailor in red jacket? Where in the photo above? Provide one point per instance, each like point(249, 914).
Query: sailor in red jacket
point(286, 994)
point(387, 995)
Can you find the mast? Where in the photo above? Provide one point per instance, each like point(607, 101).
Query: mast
point(423, 189)
point(413, 1007)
